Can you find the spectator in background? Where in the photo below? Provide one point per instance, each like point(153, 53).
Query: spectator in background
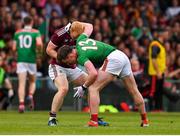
point(173, 10)
point(6, 90)
point(157, 67)
point(28, 43)
point(52, 5)
point(105, 30)
point(54, 23)
point(8, 28)
point(171, 90)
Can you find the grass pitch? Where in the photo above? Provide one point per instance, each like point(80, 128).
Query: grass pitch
point(74, 123)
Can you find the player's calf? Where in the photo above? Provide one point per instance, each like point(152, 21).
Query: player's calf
point(30, 102)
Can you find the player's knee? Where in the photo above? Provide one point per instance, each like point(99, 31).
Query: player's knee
point(94, 88)
point(63, 90)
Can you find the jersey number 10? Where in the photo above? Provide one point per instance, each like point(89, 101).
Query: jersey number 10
point(25, 41)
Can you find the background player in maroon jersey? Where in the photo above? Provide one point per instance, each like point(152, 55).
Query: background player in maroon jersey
point(61, 73)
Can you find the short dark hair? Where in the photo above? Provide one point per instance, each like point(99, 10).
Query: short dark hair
point(63, 52)
point(27, 20)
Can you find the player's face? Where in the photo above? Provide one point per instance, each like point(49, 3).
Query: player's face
point(71, 58)
point(1, 61)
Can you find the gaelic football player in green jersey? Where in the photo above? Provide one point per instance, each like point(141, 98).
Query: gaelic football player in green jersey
point(115, 64)
point(28, 43)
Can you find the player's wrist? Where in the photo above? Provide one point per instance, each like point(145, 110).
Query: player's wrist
point(84, 87)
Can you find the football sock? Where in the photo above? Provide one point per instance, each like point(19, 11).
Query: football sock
point(21, 103)
point(94, 117)
point(143, 116)
point(52, 115)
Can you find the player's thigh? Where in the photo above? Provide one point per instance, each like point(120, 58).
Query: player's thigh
point(61, 82)
point(102, 80)
point(80, 80)
point(32, 78)
point(22, 78)
point(32, 70)
point(59, 76)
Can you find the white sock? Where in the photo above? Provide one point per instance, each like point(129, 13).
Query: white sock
point(50, 118)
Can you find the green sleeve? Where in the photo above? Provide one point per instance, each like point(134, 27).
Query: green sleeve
point(15, 37)
point(82, 60)
point(81, 56)
point(82, 36)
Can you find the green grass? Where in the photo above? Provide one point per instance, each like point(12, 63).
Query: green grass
point(74, 123)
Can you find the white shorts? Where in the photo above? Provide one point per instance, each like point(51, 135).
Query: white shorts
point(26, 67)
point(72, 74)
point(117, 63)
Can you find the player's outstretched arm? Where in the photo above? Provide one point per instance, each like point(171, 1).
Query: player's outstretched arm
point(39, 47)
point(88, 28)
point(92, 73)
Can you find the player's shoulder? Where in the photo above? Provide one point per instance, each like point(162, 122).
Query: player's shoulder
point(19, 31)
point(63, 30)
point(34, 30)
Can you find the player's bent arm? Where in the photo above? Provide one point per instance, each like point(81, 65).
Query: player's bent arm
point(14, 46)
point(50, 50)
point(39, 46)
point(39, 41)
point(92, 73)
point(8, 83)
point(88, 28)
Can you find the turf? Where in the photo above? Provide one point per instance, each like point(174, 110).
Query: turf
point(74, 123)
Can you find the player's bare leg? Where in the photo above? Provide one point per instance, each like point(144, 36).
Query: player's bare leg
point(131, 86)
point(21, 90)
point(61, 83)
point(80, 81)
point(102, 80)
point(32, 87)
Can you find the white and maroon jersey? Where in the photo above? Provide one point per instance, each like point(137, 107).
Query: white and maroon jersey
point(62, 37)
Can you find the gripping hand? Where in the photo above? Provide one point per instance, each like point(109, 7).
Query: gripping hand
point(79, 91)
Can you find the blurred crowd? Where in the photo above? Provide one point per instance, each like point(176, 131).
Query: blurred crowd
point(129, 25)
